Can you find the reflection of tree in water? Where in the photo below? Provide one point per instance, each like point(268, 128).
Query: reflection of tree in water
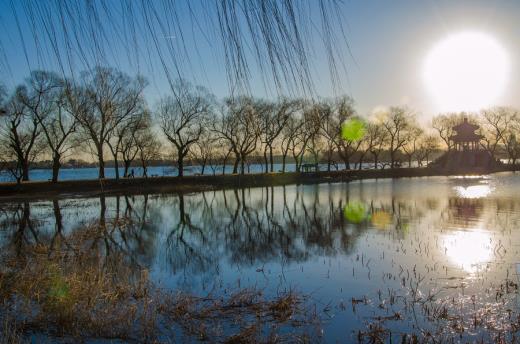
point(229, 224)
point(127, 234)
point(19, 227)
point(244, 227)
point(187, 244)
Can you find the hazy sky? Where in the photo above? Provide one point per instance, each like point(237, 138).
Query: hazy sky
point(388, 41)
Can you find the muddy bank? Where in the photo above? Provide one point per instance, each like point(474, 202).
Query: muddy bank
point(82, 188)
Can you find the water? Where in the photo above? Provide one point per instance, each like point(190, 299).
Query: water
point(389, 252)
point(85, 173)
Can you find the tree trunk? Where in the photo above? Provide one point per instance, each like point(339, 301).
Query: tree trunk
point(242, 165)
point(55, 168)
point(265, 160)
point(235, 165)
point(346, 161)
point(271, 159)
point(145, 170)
point(101, 162)
point(116, 166)
point(361, 158)
point(202, 168)
point(180, 165)
point(25, 170)
point(283, 162)
point(126, 164)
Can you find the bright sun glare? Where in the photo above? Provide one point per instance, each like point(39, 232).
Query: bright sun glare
point(466, 71)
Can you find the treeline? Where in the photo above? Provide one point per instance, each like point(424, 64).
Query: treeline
point(104, 113)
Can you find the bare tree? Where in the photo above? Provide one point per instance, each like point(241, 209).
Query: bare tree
point(106, 99)
point(411, 145)
point(19, 135)
point(204, 152)
point(346, 148)
point(510, 140)
point(274, 118)
point(288, 136)
point(376, 140)
point(129, 146)
point(239, 126)
point(148, 147)
point(330, 128)
point(495, 123)
point(308, 129)
point(44, 97)
point(182, 117)
point(397, 123)
point(427, 146)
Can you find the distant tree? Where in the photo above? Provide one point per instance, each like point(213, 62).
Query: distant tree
point(495, 123)
point(148, 147)
point(273, 119)
point(239, 125)
point(510, 138)
point(307, 132)
point(346, 148)
point(330, 128)
point(289, 135)
point(45, 99)
point(183, 116)
point(19, 137)
point(427, 145)
point(397, 122)
point(204, 151)
point(105, 100)
point(412, 142)
point(376, 138)
point(137, 128)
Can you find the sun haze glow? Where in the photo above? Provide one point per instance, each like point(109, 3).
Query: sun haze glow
point(466, 71)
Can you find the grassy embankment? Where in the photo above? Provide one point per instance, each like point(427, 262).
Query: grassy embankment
point(45, 189)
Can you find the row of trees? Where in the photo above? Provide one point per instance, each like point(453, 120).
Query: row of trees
point(104, 113)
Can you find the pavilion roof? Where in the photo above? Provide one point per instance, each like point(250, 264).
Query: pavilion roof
point(466, 132)
point(466, 137)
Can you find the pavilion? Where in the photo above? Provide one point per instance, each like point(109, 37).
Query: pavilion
point(466, 155)
point(466, 139)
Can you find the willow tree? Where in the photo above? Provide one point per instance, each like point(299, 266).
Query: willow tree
point(183, 116)
point(277, 38)
point(104, 100)
point(20, 137)
point(44, 98)
point(239, 125)
point(398, 123)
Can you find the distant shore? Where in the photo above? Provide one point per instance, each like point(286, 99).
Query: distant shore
point(85, 188)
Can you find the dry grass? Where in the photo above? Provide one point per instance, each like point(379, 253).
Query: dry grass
point(76, 291)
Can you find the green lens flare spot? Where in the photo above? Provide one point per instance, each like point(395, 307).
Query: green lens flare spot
point(353, 129)
point(355, 212)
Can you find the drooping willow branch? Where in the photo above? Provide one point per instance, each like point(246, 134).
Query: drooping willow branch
point(280, 40)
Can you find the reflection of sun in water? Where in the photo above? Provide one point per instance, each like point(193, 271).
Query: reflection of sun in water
point(468, 249)
point(473, 191)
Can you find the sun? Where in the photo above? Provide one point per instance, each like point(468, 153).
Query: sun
point(466, 71)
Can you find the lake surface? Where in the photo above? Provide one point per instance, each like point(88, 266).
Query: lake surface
point(431, 255)
point(85, 173)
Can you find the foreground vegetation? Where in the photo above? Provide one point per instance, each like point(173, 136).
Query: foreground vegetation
point(71, 288)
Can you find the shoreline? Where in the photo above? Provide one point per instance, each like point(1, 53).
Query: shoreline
point(34, 190)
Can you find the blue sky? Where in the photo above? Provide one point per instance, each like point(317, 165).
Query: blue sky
point(388, 43)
